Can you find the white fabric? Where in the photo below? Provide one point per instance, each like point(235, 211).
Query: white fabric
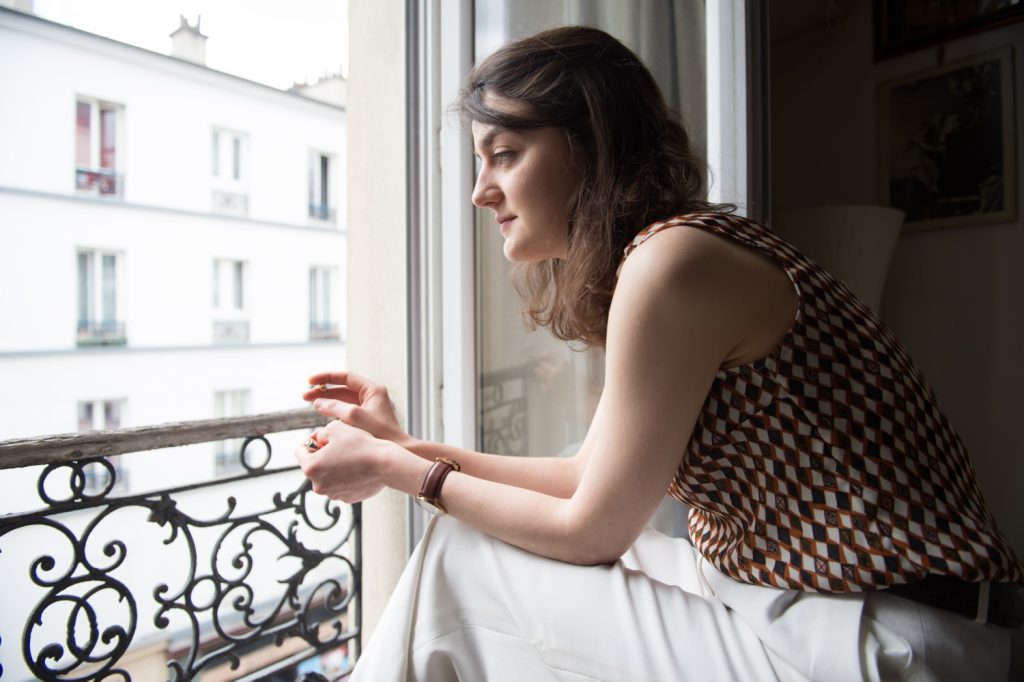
point(469, 607)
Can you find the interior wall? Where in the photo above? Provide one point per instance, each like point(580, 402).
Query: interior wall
point(951, 295)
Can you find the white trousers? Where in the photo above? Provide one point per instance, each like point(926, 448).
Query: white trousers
point(469, 607)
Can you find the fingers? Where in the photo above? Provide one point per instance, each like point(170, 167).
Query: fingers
point(321, 390)
point(343, 378)
point(338, 409)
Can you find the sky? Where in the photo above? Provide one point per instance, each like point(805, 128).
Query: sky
point(275, 42)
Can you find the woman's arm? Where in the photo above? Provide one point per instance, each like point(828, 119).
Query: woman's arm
point(679, 313)
point(365, 404)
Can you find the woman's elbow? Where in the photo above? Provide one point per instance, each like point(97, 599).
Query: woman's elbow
point(595, 544)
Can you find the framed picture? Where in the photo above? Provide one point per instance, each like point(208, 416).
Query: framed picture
point(906, 25)
point(946, 143)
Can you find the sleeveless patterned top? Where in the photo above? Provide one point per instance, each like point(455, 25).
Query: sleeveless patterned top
point(827, 465)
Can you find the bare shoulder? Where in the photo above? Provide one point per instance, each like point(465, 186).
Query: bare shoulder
point(748, 297)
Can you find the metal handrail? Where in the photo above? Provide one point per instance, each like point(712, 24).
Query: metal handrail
point(77, 567)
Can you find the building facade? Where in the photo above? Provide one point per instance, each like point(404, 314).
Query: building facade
point(172, 248)
point(172, 238)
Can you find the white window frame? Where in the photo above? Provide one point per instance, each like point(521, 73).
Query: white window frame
point(727, 119)
point(93, 166)
point(316, 194)
point(229, 170)
point(226, 169)
point(230, 279)
point(96, 308)
point(230, 294)
point(323, 302)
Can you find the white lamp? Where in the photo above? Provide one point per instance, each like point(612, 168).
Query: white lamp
point(854, 243)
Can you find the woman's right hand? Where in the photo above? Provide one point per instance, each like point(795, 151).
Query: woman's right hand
point(357, 401)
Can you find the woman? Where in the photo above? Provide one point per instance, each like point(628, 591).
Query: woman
point(741, 378)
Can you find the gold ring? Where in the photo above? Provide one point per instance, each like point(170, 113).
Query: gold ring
point(320, 387)
point(312, 445)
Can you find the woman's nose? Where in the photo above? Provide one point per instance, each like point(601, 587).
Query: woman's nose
point(485, 192)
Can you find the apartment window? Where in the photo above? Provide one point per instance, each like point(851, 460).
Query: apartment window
point(98, 147)
point(323, 322)
point(228, 453)
point(228, 158)
point(320, 185)
point(230, 323)
point(101, 415)
point(99, 299)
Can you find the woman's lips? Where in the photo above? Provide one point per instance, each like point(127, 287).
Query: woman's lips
point(504, 221)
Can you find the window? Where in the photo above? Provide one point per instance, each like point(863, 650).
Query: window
point(320, 179)
point(228, 453)
point(228, 150)
point(98, 301)
point(230, 324)
point(322, 321)
point(101, 415)
point(98, 147)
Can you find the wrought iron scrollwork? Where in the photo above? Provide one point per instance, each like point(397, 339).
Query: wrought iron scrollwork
point(213, 593)
point(503, 411)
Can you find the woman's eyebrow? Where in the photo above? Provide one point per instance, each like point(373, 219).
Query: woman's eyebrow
point(488, 138)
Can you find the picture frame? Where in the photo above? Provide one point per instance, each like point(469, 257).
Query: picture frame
point(902, 26)
point(947, 143)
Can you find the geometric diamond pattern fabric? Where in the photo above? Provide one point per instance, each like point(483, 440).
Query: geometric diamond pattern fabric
point(828, 465)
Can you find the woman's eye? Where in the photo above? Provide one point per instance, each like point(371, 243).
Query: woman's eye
point(503, 157)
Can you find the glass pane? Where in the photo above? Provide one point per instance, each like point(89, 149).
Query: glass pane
point(313, 317)
point(325, 313)
point(236, 157)
point(85, 416)
point(215, 153)
point(239, 301)
point(538, 394)
point(108, 138)
point(85, 280)
point(109, 288)
point(312, 184)
point(112, 414)
point(83, 139)
point(323, 184)
point(216, 283)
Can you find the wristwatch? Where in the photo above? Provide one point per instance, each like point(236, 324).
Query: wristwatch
point(430, 491)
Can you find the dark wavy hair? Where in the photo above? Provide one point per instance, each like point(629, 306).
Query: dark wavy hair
point(638, 164)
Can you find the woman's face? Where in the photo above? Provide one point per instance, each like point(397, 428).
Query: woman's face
point(527, 177)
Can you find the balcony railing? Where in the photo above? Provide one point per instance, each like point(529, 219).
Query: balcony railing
point(230, 331)
point(504, 417)
point(321, 212)
point(101, 333)
point(102, 181)
point(247, 577)
point(234, 203)
point(324, 331)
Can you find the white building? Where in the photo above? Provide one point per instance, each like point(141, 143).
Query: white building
point(172, 247)
point(172, 238)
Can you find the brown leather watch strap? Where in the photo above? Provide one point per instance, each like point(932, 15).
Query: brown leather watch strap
point(430, 490)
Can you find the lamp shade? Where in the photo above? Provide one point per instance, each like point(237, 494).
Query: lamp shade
point(854, 243)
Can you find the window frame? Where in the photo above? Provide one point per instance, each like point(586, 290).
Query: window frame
point(93, 178)
point(103, 323)
point(229, 171)
point(321, 184)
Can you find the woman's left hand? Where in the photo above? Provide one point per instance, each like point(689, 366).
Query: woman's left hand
point(347, 463)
